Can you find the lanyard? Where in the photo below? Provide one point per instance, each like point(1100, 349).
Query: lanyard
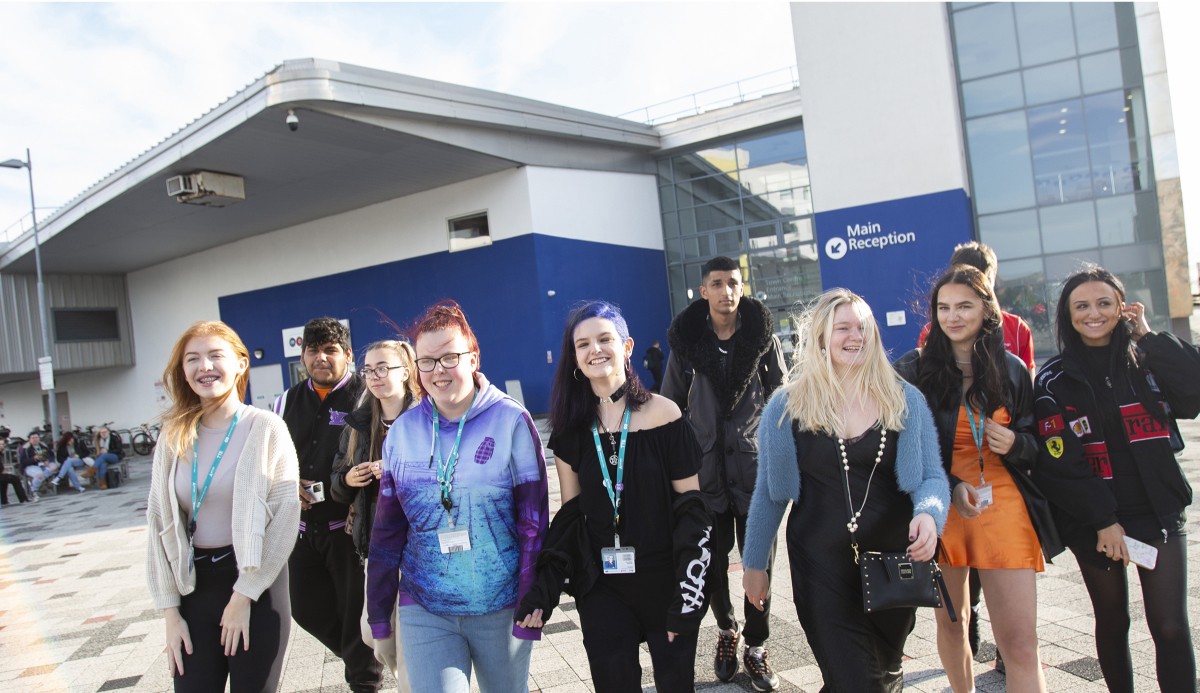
point(614, 490)
point(977, 434)
point(445, 469)
point(198, 498)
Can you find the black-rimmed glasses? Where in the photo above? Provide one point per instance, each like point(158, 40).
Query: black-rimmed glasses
point(379, 372)
point(448, 361)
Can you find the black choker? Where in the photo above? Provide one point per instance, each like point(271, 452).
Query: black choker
point(611, 398)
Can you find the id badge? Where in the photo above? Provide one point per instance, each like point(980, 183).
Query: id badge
point(454, 539)
point(191, 556)
point(1142, 554)
point(618, 560)
point(985, 495)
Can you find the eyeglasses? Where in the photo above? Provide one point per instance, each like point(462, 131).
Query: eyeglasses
point(379, 371)
point(448, 361)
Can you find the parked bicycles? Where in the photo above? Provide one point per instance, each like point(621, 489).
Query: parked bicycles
point(145, 437)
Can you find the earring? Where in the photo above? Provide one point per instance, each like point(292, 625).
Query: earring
point(578, 373)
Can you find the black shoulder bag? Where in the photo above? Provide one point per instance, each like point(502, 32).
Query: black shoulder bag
point(891, 580)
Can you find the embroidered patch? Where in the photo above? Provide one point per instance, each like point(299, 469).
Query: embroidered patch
point(1097, 455)
point(1081, 427)
point(337, 418)
point(1139, 425)
point(1053, 424)
point(1055, 446)
point(484, 453)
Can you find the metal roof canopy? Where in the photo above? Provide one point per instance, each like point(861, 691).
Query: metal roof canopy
point(365, 136)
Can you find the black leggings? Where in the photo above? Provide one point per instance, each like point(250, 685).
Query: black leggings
point(207, 668)
point(15, 481)
point(1164, 591)
point(612, 633)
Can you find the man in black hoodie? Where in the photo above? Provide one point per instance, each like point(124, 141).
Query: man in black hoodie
point(325, 577)
point(724, 364)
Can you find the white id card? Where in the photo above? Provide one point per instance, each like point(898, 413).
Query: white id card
point(453, 540)
point(1144, 555)
point(618, 560)
point(985, 495)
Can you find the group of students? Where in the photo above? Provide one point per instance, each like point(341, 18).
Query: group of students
point(41, 464)
point(421, 539)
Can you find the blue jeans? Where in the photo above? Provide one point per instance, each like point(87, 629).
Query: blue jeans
point(68, 470)
point(102, 462)
point(440, 650)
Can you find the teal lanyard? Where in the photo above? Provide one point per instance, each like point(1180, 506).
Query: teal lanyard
point(198, 498)
point(977, 434)
point(445, 469)
point(614, 490)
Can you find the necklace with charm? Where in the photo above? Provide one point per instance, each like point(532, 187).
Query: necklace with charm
point(612, 441)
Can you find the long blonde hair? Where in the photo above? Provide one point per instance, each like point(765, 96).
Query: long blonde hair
point(179, 422)
point(816, 397)
point(412, 393)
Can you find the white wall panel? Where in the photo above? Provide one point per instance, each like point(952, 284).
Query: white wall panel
point(619, 208)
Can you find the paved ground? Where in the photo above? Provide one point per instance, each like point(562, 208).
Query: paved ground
point(75, 614)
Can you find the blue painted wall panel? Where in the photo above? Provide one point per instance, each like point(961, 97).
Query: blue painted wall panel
point(891, 253)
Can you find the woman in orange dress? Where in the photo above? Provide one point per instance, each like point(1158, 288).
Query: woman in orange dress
point(982, 399)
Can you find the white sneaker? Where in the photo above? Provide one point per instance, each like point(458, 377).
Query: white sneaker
point(55, 481)
point(81, 489)
point(34, 497)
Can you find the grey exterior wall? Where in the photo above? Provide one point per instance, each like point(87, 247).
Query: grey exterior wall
point(21, 328)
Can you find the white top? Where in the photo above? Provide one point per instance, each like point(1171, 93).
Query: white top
point(214, 529)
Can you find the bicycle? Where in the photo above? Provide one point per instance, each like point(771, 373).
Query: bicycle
point(145, 437)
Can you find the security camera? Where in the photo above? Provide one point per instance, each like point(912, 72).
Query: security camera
point(292, 121)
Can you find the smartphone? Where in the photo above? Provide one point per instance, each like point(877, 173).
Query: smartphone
point(317, 490)
point(1141, 554)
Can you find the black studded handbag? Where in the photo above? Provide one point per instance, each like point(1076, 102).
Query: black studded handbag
point(892, 580)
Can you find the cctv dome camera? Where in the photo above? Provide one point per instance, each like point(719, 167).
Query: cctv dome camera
point(292, 121)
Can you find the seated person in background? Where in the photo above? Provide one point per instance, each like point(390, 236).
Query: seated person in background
point(73, 454)
point(108, 451)
point(36, 461)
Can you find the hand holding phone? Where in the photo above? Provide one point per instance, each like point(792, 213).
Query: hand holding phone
point(1141, 554)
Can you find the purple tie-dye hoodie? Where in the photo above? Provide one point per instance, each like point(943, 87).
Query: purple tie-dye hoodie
point(500, 496)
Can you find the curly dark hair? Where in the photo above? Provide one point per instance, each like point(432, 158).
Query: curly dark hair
point(320, 331)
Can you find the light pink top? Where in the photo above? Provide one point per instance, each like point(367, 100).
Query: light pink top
point(214, 528)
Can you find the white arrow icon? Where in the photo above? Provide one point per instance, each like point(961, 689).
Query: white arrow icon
point(836, 248)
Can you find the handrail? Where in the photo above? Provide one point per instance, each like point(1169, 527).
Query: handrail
point(772, 82)
point(7, 235)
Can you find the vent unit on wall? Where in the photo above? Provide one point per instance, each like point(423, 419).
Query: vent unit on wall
point(207, 188)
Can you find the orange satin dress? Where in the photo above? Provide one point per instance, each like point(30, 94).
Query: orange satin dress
point(1002, 536)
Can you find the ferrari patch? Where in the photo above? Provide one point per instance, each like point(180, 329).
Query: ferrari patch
point(1050, 425)
point(1055, 446)
point(1081, 427)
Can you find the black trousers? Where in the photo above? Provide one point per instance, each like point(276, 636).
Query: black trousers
point(657, 373)
point(5, 480)
point(327, 587)
point(613, 630)
point(207, 668)
point(727, 527)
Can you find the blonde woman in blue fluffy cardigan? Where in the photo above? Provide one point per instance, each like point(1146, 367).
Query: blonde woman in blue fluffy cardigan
point(845, 416)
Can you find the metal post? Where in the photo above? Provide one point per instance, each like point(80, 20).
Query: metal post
point(51, 397)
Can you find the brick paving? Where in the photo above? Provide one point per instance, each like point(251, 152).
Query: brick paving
point(75, 614)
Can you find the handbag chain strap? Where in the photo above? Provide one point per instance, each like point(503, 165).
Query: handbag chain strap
point(852, 525)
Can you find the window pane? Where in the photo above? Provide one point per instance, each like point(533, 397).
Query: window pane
point(1028, 301)
point(782, 175)
point(1052, 82)
point(1060, 157)
point(775, 205)
point(687, 221)
point(1011, 235)
point(670, 225)
point(1000, 168)
point(693, 165)
point(1127, 219)
point(671, 246)
point(696, 247)
point(1095, 26)
point(1119, 142)
point(1028, 271)
point(1141, 257)
point(675, 278)
point(1045, 31)
point(1126, 23)
point(701, 191)
point(763, 236)
point(1059, 267)
point(664, 168)
point(691, 275)
point(797, 231)
point(728, 242)
point(1101, 72)
point(1131, 66)
point(772, 149)
point(719, 216)
point(992, 95)
point(985, 41)
point(1150, 289)
point(666, 198)
point(1068, 227)
point(787, 275)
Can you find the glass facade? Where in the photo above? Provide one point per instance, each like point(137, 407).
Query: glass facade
point(1058, 150)
point(747, 199)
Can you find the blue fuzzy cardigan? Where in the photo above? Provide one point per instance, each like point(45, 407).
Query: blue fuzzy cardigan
point(919, 472)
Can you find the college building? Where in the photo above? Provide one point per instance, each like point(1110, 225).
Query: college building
point(326, 189)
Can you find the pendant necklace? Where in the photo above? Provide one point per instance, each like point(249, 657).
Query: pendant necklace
point(612, 459)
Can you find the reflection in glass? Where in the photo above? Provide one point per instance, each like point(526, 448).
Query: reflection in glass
point(1011, 235)
point(1101, 72)
point(1027, 271)
point(797, 231)
point(1059, 267)
point(670, 225)
point(1060, 157)
point(1127, 219)
point(992, 95)
point(671, 247)
point(985, 41)
point(692, 166)
point(666, 198)
point(771, 149)
point(700, 191)
point(784, 276)
point(999, 147)
point(1095, 26)
point(1028, 301)
point(728, 242)
point(1068, 227)
point(675, 278)
point(1052, 82)
point(1045, 31)
point(664, 170)
point(696, 247)
point(782, 203)
point(782, 175)
point(719, 216)
point(763, 236)
point(1119, 142)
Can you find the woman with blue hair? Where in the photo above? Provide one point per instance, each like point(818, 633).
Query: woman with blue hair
point(632, 535)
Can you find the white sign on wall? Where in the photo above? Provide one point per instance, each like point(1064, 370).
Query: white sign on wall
point(293, 340)
point(46, 371)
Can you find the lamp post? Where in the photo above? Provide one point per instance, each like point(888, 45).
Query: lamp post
point(46, 361)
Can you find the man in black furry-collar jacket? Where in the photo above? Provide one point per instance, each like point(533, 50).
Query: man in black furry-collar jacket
point(725, 362)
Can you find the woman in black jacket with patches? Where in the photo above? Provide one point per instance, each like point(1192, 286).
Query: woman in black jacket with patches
point(1106, 409)
point(392, 389)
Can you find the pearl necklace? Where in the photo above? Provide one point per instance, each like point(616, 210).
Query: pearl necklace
point(852, 525)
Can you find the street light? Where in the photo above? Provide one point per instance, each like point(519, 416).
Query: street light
point(46, 363)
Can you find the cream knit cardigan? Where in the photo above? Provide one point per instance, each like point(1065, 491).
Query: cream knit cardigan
point(266, 514)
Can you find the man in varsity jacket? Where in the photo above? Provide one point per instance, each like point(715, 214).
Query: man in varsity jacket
point(325, 576)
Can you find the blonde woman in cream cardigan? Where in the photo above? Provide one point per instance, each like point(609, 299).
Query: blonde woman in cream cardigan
point(219, 539)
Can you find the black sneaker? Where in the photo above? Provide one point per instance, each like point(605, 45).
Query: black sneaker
point(999, 663)
point(973, 631)
point(759, 670)
point(725, 664)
